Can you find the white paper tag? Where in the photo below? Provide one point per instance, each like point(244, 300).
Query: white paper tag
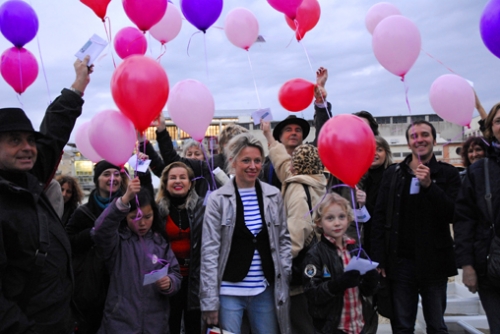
point(362, 214)
point(414, 186)
point(142, 165)
point(206, 197)
point(94, 46)
point(362, 265)
point(264, 114)
point(155, 275)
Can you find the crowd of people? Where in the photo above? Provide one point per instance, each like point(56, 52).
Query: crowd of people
point(263, 250)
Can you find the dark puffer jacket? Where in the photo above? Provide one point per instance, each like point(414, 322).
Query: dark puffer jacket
point(472, 222)
point(196, 212)
point(32, 298)
point(325, 307)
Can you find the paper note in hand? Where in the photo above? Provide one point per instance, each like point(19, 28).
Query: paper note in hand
point(362, 265)
point(142, 165)
point(155, 275)
point(94, 46)
point(264, 114)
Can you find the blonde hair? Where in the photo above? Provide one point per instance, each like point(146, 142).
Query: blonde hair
point(329, 200)
point(229, 131)
point(163, 192)
point(237, 144)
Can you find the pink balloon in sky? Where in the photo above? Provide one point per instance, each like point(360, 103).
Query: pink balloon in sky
point(396, 44)
point(377, 13)
point(130, 41)
point(113, 136)
point(191, 107)
point(452, 98)
point(83, 144)
point(19, 68)
point(241, 28)
point(169, 26)
point(145, 14)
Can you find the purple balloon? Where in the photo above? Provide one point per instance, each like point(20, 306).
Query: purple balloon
point(201, 13)
point(18, 22)
point(490, 26)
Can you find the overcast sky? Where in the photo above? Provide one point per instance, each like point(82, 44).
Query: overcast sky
point(340, 42)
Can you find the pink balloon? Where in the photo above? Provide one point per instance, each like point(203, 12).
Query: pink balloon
point(82, 141)
point(169, 26)
point(287, 7)
point(452, 98)
point(19, 68)
point(396, 44)
point(241, 28)
point(145, 14)
point(112, 135)
point(130, 41)
point(191, 107)
point(377, 13)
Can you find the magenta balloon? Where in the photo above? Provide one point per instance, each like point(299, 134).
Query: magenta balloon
point(490, 27)
point(287, 7)
point(241, 28)
point(377, 13)
point(396, 44)
point(82, 141)
point(145, 14)
point(112, 136)
point(169, 26)
point(191, 100)
point(452, 98)
point(130, 41)
point(18, 22)
point(19, 68)
point(201, 13)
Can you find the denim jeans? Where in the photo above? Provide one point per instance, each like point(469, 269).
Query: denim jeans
point(261, 312)
point(490, 299)
point(405, 291)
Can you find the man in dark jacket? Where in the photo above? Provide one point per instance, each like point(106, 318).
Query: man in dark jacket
point(411, 231)
point(35, 268)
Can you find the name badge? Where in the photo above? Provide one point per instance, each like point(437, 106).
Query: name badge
point(415, 186)
point(362, 215)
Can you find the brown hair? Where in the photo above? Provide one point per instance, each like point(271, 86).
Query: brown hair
point(229, 132)
point(380, 141)
point(488, 124)
point(77, 195)
point(471, 142)
point(162, 192)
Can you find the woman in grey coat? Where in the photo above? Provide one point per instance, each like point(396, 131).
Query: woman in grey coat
point(246, 248)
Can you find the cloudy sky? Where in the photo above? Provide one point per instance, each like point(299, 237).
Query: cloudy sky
point(340, 42)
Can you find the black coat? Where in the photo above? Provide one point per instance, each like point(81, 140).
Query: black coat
point(40, 303)
point(434, 253)
point(324, 306)
point(472, 222)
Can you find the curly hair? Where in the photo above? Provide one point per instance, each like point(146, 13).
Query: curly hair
point(77, 195)
point(329, 200)
point(306, 161)
point(471, 142)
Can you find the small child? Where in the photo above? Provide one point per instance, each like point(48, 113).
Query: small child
point(336, 298)
point(132, 248)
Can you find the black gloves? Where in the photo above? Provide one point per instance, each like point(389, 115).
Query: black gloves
point(349, 279)
point(369, 282)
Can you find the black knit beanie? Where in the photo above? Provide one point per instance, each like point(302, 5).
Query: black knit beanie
point(100, 167)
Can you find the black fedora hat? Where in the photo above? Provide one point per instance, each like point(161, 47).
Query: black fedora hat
point(15, 120)
point(292, 119)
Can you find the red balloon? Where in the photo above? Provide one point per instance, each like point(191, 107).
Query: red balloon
point(98, 6)
point(139, 87)
point(296, 94)
point(346, 146)
point(307, 17)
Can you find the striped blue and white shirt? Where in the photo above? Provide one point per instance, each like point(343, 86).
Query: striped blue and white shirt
point(255, 282)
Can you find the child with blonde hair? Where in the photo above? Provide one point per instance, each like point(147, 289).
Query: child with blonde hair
point(336, 298)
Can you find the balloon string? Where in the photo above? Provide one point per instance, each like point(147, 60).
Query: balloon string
point(108, 36)
point(454, 138)
point(439, 61)
point(357, 224)
point(210, 168)
point(206, 56)
point(139, 212)
point(406, 87)
point(19, 99)
point(189, 43)
point(254, 81)
point(20, 71)
point(43, 68)
point(163, 51)
point(297, 29)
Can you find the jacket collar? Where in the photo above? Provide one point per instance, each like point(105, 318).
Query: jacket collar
point(267, 190)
